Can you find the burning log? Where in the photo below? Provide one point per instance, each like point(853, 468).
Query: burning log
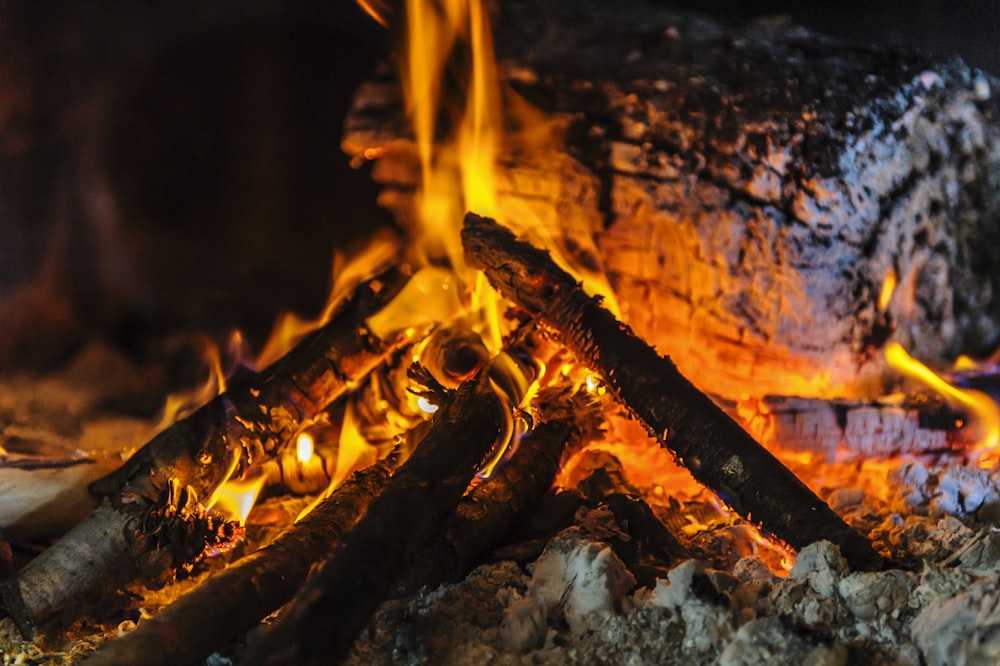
point(223, 608)
point(318, 626)
point(250, 422)
point(488, 512)
point(889, 426)
point(719, 453)
point(749, 187)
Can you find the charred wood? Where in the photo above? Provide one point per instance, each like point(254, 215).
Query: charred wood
point(319, 625)
point(492, 508)
point(716, 450)
point(889, 426)
point(223, 608)
point(249, 423)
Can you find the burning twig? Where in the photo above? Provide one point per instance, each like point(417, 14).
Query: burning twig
point(229, 604)
point(714, 448)
point(252, 421)
point(322, 621)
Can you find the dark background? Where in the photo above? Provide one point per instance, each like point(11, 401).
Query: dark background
point(171, 164)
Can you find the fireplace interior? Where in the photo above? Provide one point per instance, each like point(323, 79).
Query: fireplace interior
point(792, 209)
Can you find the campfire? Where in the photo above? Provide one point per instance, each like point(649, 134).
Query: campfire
point(643, 375)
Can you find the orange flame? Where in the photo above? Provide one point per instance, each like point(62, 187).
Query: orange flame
point(346, 274)
point(179, 405)
point(888, 289)
point(353, 453)
point(235, 499)
point(985, 413)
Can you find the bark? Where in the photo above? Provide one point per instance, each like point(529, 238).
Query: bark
point(223, 608)
point(719, 453)
point(748, 187)
point(320, 624)
point(249, 423)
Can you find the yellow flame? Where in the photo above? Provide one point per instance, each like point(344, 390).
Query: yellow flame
point(964, 362)
point(235, 499)
point(179, 405)
point(348, 271)
point(431, 297)
point(353, 453)
point(304, 447)
point(450, 41)
point(888, 288)
point(984, 410)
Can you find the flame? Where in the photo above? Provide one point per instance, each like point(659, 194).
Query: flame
point(235, 499)
point(888, 289)
point(984, 411)
point(179, 405)
point(353, 453)
point(965, 363)
point(346, 274)
point(430, 298)
point(451, 40)
point(304, 447)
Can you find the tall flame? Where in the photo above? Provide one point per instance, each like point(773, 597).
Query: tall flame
point(449, 45)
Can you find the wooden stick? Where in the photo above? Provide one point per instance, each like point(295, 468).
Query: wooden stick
point(320, 624)
point(250, 422)
point(227, 605)
point(486, 514)
point(719, 453)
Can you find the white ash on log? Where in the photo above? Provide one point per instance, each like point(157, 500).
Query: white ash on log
point(749, 188)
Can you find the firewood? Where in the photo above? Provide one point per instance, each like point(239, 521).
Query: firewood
point(250, 422)
point(717, 451)
point(892, 425)
point(493, 507)
point(749, 187)
point(318, 626)
point(227, 605)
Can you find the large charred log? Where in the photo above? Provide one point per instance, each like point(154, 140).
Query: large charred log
point(319, 625)
point(223, 608)
point(717, 451)
point(748, 187)
point(248, 423)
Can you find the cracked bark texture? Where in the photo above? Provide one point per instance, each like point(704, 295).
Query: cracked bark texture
point(747, 188)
